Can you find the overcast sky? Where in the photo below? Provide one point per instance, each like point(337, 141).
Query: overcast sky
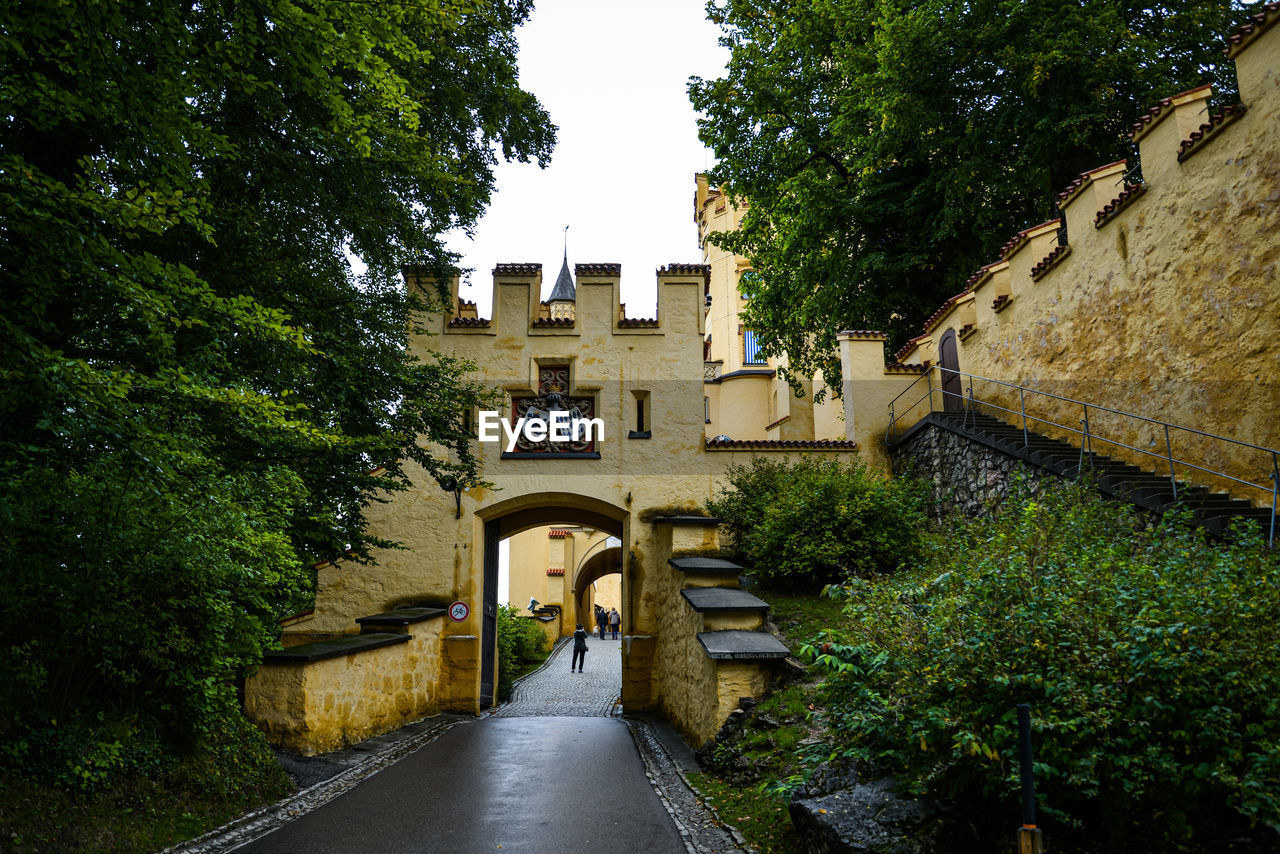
point(612, 75)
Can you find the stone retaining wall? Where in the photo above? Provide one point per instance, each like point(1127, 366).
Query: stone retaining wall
point(968, 477)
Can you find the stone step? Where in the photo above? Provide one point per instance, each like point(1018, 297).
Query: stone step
point(333, 647)
point(742, 645)
point(723, 600)
point(400, 618)
point(705, 565)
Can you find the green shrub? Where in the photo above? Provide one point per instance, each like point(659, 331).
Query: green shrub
point(1148, 658)
point(812, 521)
point(520, 640)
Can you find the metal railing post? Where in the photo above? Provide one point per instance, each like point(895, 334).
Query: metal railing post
point(1275, 485)
point(1087, 435)
point(928, 379)
point(1168, 449)
point(968, 407)
point(1084, 441)
point(1022, 398)
point(889, 433)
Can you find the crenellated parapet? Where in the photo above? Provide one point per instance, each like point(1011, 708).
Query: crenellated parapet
point(1158, 294)
point(597, 308)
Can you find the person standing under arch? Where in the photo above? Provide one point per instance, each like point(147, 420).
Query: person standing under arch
point(579, 649)
point(615, 622)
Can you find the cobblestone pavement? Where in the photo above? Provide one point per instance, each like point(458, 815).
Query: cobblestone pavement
point(553, 690)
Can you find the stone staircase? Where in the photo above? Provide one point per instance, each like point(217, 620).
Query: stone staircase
point(1215, 511)
point(731, 618)
point(713, 648)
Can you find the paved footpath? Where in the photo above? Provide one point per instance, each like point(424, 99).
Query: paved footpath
point(554, 770)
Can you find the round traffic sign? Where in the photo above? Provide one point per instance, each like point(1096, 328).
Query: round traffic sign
point(459, 611)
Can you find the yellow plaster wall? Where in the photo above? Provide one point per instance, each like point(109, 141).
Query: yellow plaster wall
point(685, 680)
point(1172, 309)
point(321, 706)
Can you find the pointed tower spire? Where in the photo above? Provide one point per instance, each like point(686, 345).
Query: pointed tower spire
point(564, 291)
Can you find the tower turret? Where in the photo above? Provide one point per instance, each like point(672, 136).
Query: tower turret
point(563, 300)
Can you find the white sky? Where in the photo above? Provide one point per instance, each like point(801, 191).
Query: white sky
point(612, 75)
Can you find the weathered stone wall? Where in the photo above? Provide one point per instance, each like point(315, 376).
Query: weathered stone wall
point(684, 678)
point(1165, 300)
point(318, 706)
point(968, 477)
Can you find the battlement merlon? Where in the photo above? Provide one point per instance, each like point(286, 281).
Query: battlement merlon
point(1165, 125)
point(1254, 47)
point(517, 308)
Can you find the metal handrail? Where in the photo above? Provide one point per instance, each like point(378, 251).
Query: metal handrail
point(1085, 432)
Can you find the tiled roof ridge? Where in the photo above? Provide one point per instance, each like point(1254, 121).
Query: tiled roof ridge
point(678, 269)
point(1153, 115)
point(1022, 237)
point(981, 273)
point(1048, 262)
point(787, 444)
point(943, 309)
point(1252, 28)
point(520, 269)
point(1082, 179)
point(1206, 131)
point(542, 322)
point(607, 268)
point(906, 348)
point(475, 322)
point(863, 333)
point(899, 368)
point(642, 322)
point(1131, 191)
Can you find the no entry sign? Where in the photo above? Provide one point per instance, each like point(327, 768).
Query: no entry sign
point(459, 611)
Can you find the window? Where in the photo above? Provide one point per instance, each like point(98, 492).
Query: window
point(751, 348)
point(642, 422)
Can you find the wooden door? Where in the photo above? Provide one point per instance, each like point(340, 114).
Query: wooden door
point(949, 363)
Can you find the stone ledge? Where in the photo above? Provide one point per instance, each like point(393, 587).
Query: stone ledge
point(704, 564)
point(686, 520)
point(716, 599)
point(401, 617)
point(332, 648)
point(742, 645)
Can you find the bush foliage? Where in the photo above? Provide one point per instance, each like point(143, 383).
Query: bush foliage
point(521, 640)
point(1147, 656)
point(812, 521)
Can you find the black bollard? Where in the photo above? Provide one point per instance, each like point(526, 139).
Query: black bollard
point(1029, 841)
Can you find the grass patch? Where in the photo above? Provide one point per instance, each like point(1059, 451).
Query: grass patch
point(524, 668)
point(763, 820)
point(138, 815)
point(802, 616)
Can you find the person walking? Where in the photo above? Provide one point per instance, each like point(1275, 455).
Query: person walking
point(602, 620)
point(615, 622)
point(579, 649)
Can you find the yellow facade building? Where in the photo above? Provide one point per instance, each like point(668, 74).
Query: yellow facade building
point(1163, 298)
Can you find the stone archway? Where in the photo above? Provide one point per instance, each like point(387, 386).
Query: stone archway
point(521, 513)
point(603, 560)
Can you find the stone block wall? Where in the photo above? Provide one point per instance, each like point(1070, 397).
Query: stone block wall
point(1160, 298)
point(968, 477)
point(315, 707)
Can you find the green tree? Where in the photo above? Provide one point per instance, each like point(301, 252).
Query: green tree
point(1136, 643)
point(888, 148)
point(197, 385)
point(809, 522)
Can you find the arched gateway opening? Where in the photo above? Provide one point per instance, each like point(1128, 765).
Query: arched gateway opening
point(505, 519)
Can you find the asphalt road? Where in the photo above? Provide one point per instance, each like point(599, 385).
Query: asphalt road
point(545, 783)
